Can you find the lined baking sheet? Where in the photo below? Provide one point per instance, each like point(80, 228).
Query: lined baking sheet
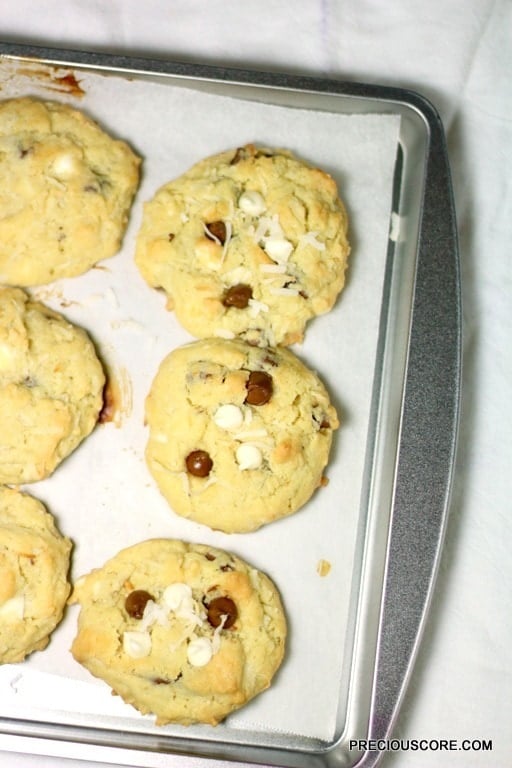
point(103, 496)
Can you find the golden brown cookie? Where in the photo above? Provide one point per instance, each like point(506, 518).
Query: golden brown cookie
point(65, 193)
point(51, 388)
point(239, 435)
point(183, 631)
point(251, 242)
point(34, 563)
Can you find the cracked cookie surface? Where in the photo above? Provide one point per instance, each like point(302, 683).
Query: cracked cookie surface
point(239, 435)
point(251, 242)
point(186, 632)
point(34, 587)
point(51, 388)
point(66, 191)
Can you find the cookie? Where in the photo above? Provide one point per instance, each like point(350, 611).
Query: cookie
point(250, 242)
point(182, 631)
point(67, 187)
point(34, 587)
point(51, 388)
point(239, 435)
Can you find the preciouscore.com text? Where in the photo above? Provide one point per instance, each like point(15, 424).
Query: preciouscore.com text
point(423, 745)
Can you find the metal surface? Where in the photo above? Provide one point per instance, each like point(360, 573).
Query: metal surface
point(410, 453)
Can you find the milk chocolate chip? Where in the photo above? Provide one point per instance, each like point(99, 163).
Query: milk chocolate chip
point(237, 296)
point(136, 602)
point(199, 463)
point(219, 607)
point(259, 388)
point(217, 230)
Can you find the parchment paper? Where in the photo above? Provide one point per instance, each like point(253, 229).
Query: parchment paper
point(103, 497)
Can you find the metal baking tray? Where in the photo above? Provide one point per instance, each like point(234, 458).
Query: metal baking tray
point(409, 450)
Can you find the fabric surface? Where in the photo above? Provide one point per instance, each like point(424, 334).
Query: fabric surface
point(458, 53)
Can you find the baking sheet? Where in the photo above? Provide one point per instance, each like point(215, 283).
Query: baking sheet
point(103, 497)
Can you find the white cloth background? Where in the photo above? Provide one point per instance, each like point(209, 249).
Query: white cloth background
point(459, 54)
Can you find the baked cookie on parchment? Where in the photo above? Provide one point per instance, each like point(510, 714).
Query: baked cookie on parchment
point(51, 388)
point(239, 435)
point(66, 188)
point(34, 564)
point(251, 242)
point(182, 631)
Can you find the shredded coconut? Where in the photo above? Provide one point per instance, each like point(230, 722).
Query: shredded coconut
point(222, 333)
point(284, 291)
point(279, 269)
point(311, 238)
point(255, 307)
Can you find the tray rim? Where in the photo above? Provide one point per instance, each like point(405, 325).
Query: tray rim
point(437, 229)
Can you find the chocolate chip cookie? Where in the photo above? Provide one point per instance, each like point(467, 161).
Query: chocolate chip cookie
point(251, 242)
point(239, 435)
point(34, 587)
point(182, 631)
point(51, 388)
point(65, 193)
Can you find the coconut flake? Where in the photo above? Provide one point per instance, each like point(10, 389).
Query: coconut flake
point(216, 635)
point(153, 614)
point(268, 226)
point(237, 275)
point(252, 434)
point(229, 233)
point(311, 238)
point(284, 291)
point(185, 482)
point(279, 269)
point(223, 333)
point(255, 307)
point(210, 480)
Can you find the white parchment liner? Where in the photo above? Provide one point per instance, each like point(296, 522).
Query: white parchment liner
point(103, 496)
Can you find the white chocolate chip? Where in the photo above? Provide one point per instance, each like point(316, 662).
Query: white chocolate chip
point(199, 651)
point(176, 595)
point(228, 416)
point(13, 609)
point(178, 598)
point(137, 644)
point(248, 456)
point(278, 248)
point(64, 166)
point(252, 202)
